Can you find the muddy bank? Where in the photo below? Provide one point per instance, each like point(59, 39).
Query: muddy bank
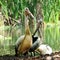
point(53, 56)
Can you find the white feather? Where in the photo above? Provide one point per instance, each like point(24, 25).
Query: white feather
point(19, 40)
point(45, 49)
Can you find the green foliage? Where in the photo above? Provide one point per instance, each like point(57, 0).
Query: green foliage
point(52, 36)
point(15, 8)
point(4, 8)
point(51, 9)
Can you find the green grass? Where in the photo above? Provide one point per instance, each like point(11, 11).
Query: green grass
point(52, 37)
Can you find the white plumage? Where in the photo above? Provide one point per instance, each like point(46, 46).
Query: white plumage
point(19, 40)
point(44, 49)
